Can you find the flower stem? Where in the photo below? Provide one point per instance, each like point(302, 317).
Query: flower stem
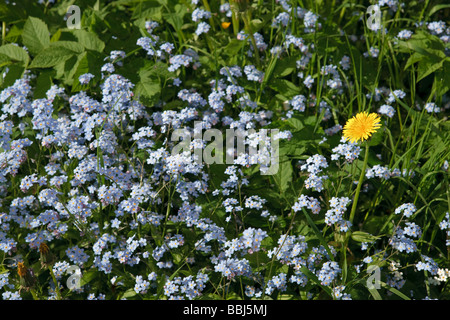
point(360, 182)
point(352, 214)
point(248, 28)
point(58, 293)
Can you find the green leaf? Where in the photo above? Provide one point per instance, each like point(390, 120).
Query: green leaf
point(130, 293)
point(377, 137)
point(73, 46)
point(15, 53)
point(51, 57)
point(285, 87)
point(361, 236)
point(148, 89)
point(35, 35)
point(234, 47)
point(284, 175)
point(427, 66)
point(15, 72)
point(43, 84)
point(89, 40)
point(88, 62)
point(88, 276)
point(395, 291)
point(438, 7)
point(285, 67)
point(442, 82)
point(148, 10)
point(4, 60)
point(375, 294)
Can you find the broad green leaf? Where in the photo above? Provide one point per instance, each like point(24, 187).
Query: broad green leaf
point(148, 89)
point(234, 47)
point(15, 53)
point(35, 35)
point(130, 293)
point(285, 87)
point(15, 72)
point(414, 58)
point(427, 66)
point(4, 60)
point(43, 83)
point(89, 40)
point(50, 57)
point(88, 62)
point(284, 175)
point(88, 276)
point(73, 46)
point(442, 82)
point(148, 10)
point(285, 67)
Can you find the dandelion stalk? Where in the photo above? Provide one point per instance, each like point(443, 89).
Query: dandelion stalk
point(359, 128)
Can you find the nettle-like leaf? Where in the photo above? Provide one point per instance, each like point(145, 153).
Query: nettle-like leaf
point(35, 35)
point(14, 53)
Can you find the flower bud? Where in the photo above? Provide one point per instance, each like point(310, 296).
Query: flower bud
point(27, 277)
point(47, 258)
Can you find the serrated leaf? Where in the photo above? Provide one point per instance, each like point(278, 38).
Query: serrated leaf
point(15, 53)
point(51, 57)
point(89, 40)
point(73, 46)
point(35, 35)
point(148, 89)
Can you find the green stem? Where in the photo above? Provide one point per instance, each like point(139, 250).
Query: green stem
point(248, 28)
point(208, 8)
point(58, 293)
point(234, 17)
point(3, 32)
point(352, 214)
point(33, 293)
point(360, 182)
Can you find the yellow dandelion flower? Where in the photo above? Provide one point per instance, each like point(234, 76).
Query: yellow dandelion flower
point(361, 126)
